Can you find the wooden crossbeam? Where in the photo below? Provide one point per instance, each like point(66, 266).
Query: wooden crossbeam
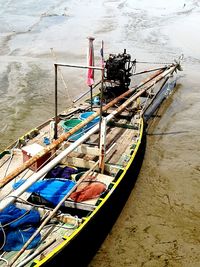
point(78, 205)
point(123, 125)
point(79, 162)
point(43, 210)
point(88, 150)
point(82, 163)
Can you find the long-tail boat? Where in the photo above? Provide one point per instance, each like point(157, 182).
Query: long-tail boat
point(63, 184)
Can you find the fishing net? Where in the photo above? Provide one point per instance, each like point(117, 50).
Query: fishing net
point(16, 227)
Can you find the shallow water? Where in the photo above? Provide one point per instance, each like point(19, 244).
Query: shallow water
point(159, 224)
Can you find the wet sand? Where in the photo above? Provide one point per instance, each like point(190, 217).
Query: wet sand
point(159, 225)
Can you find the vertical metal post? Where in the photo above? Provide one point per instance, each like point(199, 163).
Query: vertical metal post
point(91, 97)
point(56, 102)
point(101, 93)
point(102, 145)
point(90, 72)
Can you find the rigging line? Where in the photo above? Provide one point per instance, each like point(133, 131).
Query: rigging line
point(23, 201)
point(20, 178)
point(149, 62)
point(64, 226)
point(146, 71)
point(61, 75)
point(135, 87)
point(11, 157)
point(4, 162)
point(9, 162)
point(2, 259)
point(60, 149)
point(54, 152)
point(20, 217)
point(148, 96)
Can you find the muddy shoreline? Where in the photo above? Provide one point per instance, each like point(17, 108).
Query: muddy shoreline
point(159, 225)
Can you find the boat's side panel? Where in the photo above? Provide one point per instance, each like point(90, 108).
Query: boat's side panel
point(87, 240)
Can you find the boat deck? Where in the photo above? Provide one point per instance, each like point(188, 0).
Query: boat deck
point(119, 133)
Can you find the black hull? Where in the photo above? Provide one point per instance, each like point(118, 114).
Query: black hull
point(80, 251)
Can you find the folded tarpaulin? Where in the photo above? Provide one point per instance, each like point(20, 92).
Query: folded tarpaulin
point(62, 172)
point(53, 190)
point(93, 190)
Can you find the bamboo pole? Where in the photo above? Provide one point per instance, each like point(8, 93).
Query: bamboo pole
point(36, 253)
point(109, 117)
point(56, 103)
point(36, 176)
point(66, 135)
point(51, 214)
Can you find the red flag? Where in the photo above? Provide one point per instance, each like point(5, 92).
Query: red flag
point(90, 72)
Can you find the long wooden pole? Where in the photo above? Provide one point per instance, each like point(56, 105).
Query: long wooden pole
point(52, 213)
point(66, 135)
point(36, 253)
point(36, 176)
point(56, 103)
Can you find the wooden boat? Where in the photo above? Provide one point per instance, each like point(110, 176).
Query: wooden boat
point(101, 155)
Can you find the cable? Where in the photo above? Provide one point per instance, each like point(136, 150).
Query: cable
point(20, 217)
point(148, 62)
point(4, 237)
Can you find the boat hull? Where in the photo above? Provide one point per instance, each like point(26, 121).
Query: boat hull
point(86, 243)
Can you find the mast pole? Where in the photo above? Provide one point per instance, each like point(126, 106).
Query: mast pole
point(56, 102)
point(102, 121)
point(102, 146)
point(90, 71)
point(91, 97)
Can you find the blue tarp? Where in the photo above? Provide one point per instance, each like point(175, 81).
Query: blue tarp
point(53, 190)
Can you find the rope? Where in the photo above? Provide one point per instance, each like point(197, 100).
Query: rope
point(61, 75)
point(4, 237)
point(147, 98)
point(11, 157)
point(16, 219)
point(4, 242)
point(148, 62)
point(2, 259)
point(164, 63)
point(64, 224)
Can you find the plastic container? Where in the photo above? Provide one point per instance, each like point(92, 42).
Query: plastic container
point(87, 114)
point(69, 124)
point(96, 100)
point(30, 151)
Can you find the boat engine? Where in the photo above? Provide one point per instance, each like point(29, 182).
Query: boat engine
point(118, 70)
